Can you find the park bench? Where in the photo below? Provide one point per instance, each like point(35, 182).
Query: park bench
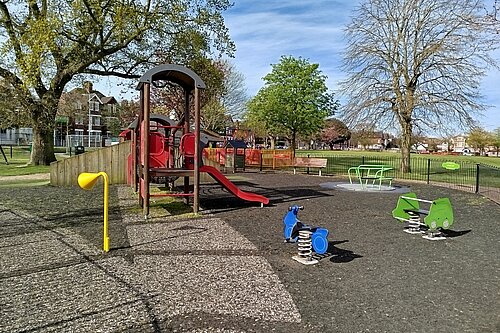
point(438, 216)
point(309, 162)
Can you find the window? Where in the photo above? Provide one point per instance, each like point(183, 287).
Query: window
point(94, 105)
point(96, 121)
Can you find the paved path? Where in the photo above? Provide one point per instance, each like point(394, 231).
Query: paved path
point(179, 273)
point(35, 176)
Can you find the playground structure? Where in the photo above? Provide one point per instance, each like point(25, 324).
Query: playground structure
point(163, 150)
point(309, 238)
point(438, 216)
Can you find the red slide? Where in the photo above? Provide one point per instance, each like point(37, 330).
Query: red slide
point(221, 179)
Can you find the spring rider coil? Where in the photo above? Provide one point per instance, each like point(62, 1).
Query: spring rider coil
point(310, 239)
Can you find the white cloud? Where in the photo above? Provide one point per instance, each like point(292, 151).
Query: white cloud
point(265, 30)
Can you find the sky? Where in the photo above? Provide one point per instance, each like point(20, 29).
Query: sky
point(264, 30)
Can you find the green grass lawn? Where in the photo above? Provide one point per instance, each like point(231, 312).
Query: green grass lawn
point(492, 160)
point(18, 163)
point(423, 166)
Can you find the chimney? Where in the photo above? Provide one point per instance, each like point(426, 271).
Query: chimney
point(87, 85)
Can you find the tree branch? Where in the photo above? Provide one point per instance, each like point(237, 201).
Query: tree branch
point(7, 21)
point(111, 73)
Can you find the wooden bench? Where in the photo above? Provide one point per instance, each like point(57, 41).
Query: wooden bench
point(309, 162)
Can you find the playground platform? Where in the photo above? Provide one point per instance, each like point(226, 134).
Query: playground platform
point(229, 270)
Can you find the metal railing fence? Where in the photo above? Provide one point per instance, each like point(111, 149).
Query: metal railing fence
point(471, 177)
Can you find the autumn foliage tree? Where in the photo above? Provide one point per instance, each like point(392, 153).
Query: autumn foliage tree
point(335, 132)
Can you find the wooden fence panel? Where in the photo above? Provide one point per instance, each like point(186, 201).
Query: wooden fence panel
point(112, 160)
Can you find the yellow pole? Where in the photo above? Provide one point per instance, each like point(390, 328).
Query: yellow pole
point(87, 180)
point(106, 204)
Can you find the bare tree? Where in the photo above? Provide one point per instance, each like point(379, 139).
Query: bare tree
point(234, 97)
point(417, 64)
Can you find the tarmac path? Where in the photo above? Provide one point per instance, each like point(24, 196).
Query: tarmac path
point(177, 274)
point(229, 270)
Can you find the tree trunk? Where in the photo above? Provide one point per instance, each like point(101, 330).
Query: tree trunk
point(42, 151)
point(294, 139)
point(405, 147)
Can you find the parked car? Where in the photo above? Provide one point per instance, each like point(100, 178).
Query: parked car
point(467, 152)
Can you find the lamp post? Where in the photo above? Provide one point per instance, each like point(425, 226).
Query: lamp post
point(87, 180)
point(90, 124)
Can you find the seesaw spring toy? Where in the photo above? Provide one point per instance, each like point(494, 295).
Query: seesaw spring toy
point(438, 216)
point(309, 238)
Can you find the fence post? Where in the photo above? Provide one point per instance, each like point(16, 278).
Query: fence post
point(244, 158)
point(261, 161)
point(428, 170)
point(308, 167)
point(477, 178)
point(362, 160)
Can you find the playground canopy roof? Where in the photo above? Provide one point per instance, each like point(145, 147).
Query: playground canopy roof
point(164, 120)
point(235, 144)
point(180, 75)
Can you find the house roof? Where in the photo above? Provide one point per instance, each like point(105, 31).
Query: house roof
point(108, 100)
point(209, 136)
point(94, 93)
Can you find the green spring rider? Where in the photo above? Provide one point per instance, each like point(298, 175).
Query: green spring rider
point(438, 216)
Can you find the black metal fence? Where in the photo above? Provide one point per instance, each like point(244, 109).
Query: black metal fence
point(471, 177)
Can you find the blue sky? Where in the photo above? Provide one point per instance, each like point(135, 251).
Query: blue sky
point(313, 29)
point(264, 30)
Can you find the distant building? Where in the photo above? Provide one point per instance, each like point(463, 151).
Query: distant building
point(16, 136)
point(371, 140)
point(85, 117)
point(459, 143)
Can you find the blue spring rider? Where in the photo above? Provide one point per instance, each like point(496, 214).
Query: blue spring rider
point(292, 227)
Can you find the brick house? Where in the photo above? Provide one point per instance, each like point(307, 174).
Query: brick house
point(84, 117)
